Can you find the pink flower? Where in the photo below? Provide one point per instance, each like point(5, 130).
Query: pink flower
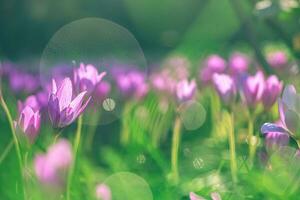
point(214, 196)
point(29, 122)
point(62, 109)
point(50, 166)
point(271, 92)
point(238, 63)
point(225, 87)
point(185, 90)
point(30, 101)
point(103, 192)
point(213, 64)
point(253, 88)
point(86, 78)
point(277, 59)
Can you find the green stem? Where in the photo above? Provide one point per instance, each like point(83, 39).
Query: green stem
point(92, 130)
point(251, 143)
point(175, 149)
point(16, 142)
point(6, 151)
point(125, 129)
point(233, 163)
point(76, 150)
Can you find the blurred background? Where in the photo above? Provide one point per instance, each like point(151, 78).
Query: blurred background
point(162, 27)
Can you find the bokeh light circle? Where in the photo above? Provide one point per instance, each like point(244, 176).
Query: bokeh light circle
point(192, 114)
point(107, 46)
point(128, 186)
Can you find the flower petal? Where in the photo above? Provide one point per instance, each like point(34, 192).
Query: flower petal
point(64, 93)
point(270, 127)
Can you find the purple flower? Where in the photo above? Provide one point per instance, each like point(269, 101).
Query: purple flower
point(253, 88)
point(50, 166)
point(102, 90)
point(62, 109)
point(86, 78)
point(277, 59)
point(213, 64)
point(29, 122)
point(225, 87)
point(272, 90)
point(132, 84)
point(16, 80)
point(30, 101)
point(275, 136)
point(238, 63)
point(103, 192)
point(289, 109)
point(185, 90)
point(163, 83)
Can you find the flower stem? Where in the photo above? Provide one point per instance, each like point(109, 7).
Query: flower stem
point(251, 142)
point(125, 129)
point(76, 150)
point(233, 163)
point(175, 149)
point(16, 142)
point(7, 149)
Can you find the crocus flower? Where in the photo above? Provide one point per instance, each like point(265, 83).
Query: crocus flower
point(29, 122)
point(103, 192)
point(277, 59)
point(253, 88)
point(225, 87)
point(86, 78)
point(163, 83)
point(238, 63)
point(30, 101)
point(214, 196)
point(132, 84)
point(62, 109)
point(213, 64)
point(289, 110)
point(185, 90)
point(102, 90)
point(50, 166)
point(272, 90)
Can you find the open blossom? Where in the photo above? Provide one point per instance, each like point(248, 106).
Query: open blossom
point(29, 122)
point(62, 109)
point(238, 63)
point(277, 59)
point(49, 167)
point(103, 192)
point(253, 88)
point(272, 90)
point(289, 111)
point(225, 87)
point(86, 78)
point(185, 90)
point(213, 64)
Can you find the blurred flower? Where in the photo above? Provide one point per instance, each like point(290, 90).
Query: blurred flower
point(272, 90)
point(29, 122)
point(132, 84)
point(62, 109)
point(225, 87)
point(16, 80)
point(49, 167)
point(213, 64)
point(178, 67)
point(86, 78)
point(277, 59)
point(102, 90)
point(163, 83)
point(213, 195)
point(185, 90)
point(103, 192)
point(274, 139)
point(30, 101)
point(253, 87)
point(42, 98)
point(238, 63)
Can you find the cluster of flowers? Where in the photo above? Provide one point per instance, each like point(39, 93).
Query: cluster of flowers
point(233, 77)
